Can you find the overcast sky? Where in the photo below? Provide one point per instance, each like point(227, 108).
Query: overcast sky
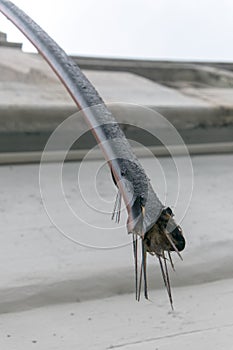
point(158, 29)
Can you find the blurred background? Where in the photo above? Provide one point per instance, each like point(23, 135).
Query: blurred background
point(165, 70)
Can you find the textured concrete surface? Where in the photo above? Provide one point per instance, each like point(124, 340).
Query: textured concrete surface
point(33, 250)
point(27, 79)
point(54, 293)
point(171, 73)
point(33, 102)
point(202, 320)
point(28, 86)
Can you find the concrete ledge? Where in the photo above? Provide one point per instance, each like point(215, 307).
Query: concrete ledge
point(42, 266)
point(170, 73)
point(47, 118)
point(78, 155)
